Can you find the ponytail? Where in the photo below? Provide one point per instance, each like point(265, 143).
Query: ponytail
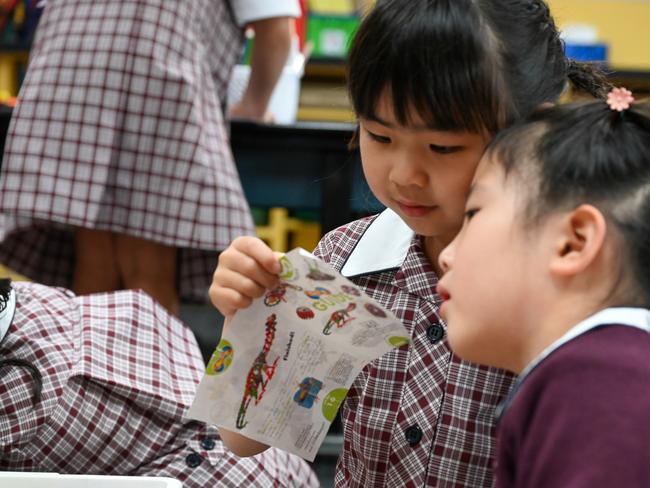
point(588, 78)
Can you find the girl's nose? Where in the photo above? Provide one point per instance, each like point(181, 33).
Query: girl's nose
point(446, 258)
point(407, 173)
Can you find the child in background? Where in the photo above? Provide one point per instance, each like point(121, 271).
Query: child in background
point(117, 171)
point(431, 82)
point(557, 238)
point(100, 384)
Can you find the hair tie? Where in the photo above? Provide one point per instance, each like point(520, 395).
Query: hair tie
point(619, 99)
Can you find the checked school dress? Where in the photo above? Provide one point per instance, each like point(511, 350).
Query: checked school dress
point(119, 374)
point(120, 127)
point(417, 416)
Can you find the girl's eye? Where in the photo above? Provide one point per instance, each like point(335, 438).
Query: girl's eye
point(444, 149)
point(470, 213)
point(378, 138)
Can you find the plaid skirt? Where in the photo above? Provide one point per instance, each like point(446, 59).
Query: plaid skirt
point(120, 127)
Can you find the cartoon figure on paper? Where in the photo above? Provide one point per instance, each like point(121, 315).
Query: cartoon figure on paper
point(275, 296)
point(260, 374)
point(307, 392)
point(317, 293)
point(339, 318)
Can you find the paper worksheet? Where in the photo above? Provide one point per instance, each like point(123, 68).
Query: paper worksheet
point(284, 365)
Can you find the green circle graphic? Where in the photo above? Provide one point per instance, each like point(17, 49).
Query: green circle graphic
point(288, 272)
point(332, 402)
point(398, 341)
point(221, 358)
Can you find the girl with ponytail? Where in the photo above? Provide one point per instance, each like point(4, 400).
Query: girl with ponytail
point(557, 238)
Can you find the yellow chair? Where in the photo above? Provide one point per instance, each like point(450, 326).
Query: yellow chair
point(9, 65)
point(282, 230)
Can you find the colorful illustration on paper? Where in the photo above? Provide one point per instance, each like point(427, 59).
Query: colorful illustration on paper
point(307, 392)
point(350, 290)
point(317, 293)
point(221, 358)
point(276, 296)
point(260, 373)
point(316, 274)
point(305, 313)
point(288, 272)
point(339, 318)
point(374, 310)
point(332, 402)
point(292, 355)
point(324, 299)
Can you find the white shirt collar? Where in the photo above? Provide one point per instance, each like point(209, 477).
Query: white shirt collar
point(7, 315)
point(384, 245)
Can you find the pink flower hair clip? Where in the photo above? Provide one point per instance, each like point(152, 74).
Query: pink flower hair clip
point(620, 99)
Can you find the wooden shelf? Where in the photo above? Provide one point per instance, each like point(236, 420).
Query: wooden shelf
point(326, 68)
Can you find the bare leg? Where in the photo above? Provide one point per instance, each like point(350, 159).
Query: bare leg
point(95, 266)
point(149, 266)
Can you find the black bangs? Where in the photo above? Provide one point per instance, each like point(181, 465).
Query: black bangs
point(432, 58)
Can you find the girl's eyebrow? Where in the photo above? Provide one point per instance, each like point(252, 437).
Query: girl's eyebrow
point(476, 187)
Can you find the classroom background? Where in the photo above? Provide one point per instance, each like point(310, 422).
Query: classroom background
point(298, 174)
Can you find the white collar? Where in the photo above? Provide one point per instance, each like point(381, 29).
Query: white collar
point(384, 245)
point(7, 315)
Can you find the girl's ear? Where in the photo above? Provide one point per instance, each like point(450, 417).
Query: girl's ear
point(581, 236)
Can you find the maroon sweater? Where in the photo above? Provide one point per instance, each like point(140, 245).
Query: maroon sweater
point(582, 416)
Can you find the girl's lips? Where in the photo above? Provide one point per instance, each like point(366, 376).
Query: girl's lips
point(412, 210)
point(445, 296)
point(442, 292)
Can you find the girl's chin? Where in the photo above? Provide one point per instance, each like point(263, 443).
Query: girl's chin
point(443, 310)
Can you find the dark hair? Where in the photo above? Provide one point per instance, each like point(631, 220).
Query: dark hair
point(587, 153)
point(5, 292)
point(462, 64)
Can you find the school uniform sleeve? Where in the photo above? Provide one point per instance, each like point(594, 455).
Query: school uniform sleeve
point(580, 419)
point(119, 374)
point(246, 11)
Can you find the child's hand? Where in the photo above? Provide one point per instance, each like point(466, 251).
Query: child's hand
point(246, 269)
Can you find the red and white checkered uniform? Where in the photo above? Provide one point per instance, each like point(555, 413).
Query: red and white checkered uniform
point(119, 374)
point(120, 127)
point(420, 392)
